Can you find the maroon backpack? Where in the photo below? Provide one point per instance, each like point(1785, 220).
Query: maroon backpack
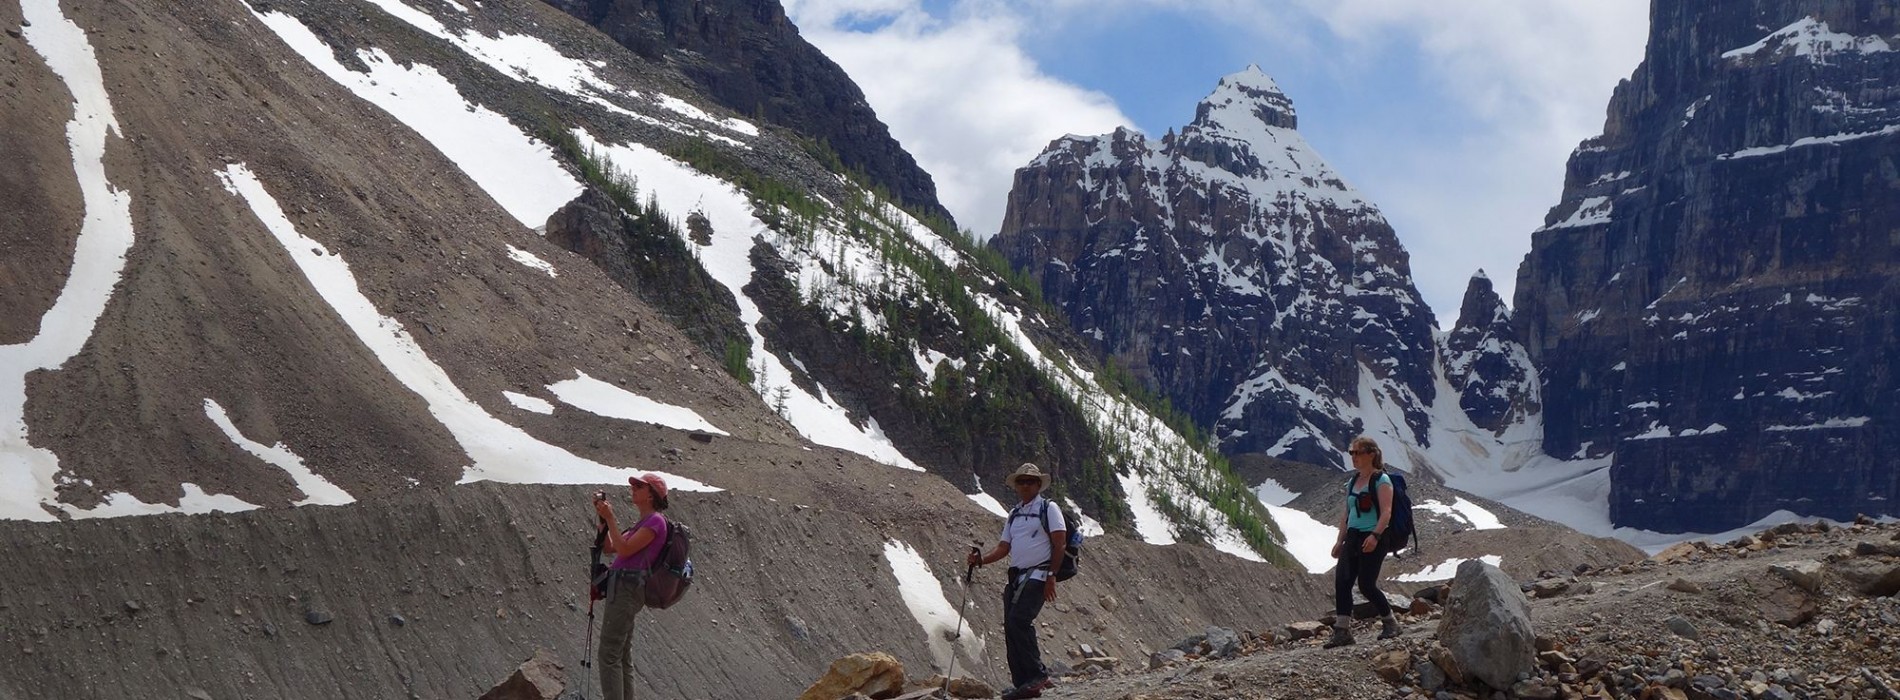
point(672, 571)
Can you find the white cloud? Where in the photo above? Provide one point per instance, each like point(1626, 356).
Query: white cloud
point(959, 92)
point(1535, 76)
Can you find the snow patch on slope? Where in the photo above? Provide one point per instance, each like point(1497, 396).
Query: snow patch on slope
point(681, 191)
point(989, 503)
point(316, 489)
point(532, 261)
point(531, 60)
point(1813, 39)
point(1149, 523)
point(529, 403)
point(28, 474)
point(606, 400)
point(501, 451)
point(1446, 570)
point(1463, 511)
point(518, 172)
point(1808, 141)
point(923, 595)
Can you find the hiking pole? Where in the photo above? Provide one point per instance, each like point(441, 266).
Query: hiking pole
point(587, 650)
point(956, 638)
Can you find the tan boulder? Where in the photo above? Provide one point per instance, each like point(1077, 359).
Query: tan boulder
point(876, 675)
point(1391, 665)
point(539, 678)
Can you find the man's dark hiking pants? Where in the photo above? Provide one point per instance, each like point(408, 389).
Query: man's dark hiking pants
point(1362, 569)
point(1021, 604)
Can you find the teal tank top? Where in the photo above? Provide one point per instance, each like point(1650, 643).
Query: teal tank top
point(1364, 521)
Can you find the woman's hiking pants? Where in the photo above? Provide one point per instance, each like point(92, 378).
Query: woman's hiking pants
point(1022, 602)
point(1356, 567)
point(625, 599)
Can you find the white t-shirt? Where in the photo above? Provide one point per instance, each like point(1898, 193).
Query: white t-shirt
point(1028, 543)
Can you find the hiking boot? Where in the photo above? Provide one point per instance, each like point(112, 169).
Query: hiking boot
point(1390, 627)
point(1032, 689)
point(1342, 636)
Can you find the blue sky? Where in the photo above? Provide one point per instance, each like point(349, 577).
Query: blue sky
point(1455, 118)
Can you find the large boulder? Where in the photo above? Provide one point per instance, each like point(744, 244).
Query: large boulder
point(1804, 573)
point(1487, 626)
point(876, 675)
point(539, 678)
point(1788, 605)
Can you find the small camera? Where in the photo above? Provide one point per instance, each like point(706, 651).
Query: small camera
point(600, 495)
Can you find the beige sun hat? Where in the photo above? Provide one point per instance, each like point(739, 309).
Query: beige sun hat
point(1028, 469)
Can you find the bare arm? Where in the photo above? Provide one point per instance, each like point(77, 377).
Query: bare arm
point(998, 552)
point(624, 546)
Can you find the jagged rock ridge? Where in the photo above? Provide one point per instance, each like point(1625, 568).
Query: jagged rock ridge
point(1231, 269)
point(1485, 362)
point(1713, 304)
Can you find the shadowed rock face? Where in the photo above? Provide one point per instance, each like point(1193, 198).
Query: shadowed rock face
point(1229, 268)
point(748, 56)
point(1713, 302)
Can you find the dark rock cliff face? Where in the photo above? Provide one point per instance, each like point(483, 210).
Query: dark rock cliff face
point(1486, 363)
point(1714, 302)
point(749, 57)
point(645, 256)
point(1230, 269)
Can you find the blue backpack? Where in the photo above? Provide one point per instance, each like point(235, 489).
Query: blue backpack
point(1400, 527)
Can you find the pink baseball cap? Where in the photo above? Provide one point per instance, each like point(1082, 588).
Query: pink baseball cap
point(652, 481)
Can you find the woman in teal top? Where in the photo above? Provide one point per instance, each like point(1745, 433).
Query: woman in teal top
point(1368, 513)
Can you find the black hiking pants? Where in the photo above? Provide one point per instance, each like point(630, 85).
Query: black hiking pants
point(1022, 602)
point(1358, 568)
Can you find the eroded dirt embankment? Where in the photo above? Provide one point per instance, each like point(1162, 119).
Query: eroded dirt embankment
point(482, 575)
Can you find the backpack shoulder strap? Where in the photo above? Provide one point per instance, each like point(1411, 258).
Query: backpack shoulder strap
point(1044, 514)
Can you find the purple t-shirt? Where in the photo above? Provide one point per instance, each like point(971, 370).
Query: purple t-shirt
point(643, 559)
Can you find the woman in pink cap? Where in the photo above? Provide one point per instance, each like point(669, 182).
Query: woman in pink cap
point(634, 552)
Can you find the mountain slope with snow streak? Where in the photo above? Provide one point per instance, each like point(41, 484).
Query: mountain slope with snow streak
point(358, 316)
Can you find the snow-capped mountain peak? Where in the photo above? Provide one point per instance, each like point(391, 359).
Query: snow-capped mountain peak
point(1242, 100)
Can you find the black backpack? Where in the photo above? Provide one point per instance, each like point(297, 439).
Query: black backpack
point(1071, 552)
point(1400, 528)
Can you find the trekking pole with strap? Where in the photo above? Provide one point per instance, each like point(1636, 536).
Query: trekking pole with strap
point(956, 638)
point(587, 651)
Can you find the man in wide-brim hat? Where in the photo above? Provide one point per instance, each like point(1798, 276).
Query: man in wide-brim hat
point(1034, 539)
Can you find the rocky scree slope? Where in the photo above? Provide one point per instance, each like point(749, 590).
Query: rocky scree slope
point(1231, 270)
point(1712, 304)
point(1794, 612)
point(343, 291)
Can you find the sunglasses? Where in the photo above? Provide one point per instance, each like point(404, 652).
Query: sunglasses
point(1028, 482)
point(1361, 452)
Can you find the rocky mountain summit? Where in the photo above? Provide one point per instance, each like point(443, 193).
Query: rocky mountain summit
point(1486, 363)
point(1712, 305)
point(1230, 269)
